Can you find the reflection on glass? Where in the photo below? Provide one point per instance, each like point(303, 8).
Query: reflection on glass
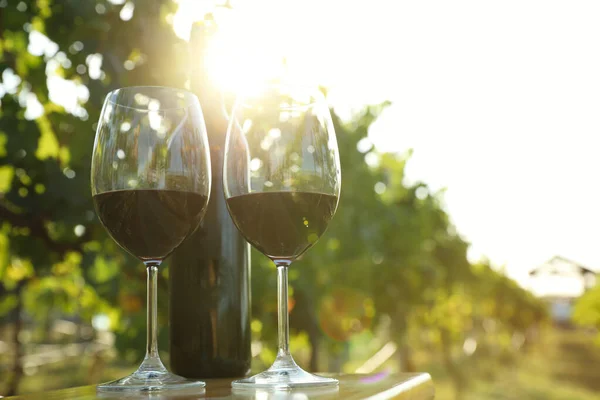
point(307, 393)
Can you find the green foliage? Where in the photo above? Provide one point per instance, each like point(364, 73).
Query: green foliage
point(587, 310)
point(51, 242)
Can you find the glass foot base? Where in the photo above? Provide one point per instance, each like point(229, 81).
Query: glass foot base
point(284, 379)
point(150, 381)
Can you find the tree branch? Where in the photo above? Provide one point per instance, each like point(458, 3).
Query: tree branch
point(37, 229)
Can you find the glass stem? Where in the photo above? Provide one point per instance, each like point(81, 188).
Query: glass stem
point(283, 326)
point(151, 319)
point(284, 359)
point(152, 360)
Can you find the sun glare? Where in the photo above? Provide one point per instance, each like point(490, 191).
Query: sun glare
point(250, 47)
point(238, 68)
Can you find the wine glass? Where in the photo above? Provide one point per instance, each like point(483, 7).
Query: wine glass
point(282, 179)
point(150, 185)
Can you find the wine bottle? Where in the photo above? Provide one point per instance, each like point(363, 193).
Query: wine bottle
point(209, 274)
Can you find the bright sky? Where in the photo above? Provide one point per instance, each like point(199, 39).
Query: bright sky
point(499, 100)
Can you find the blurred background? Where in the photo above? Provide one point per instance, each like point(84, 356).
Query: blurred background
point(465, 243)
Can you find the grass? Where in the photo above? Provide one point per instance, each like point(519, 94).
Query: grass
point(564, 366)
point(69, 372)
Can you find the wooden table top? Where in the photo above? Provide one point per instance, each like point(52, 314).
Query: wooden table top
point(352, 386)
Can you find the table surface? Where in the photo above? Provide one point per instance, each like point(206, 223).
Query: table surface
point(352, 386)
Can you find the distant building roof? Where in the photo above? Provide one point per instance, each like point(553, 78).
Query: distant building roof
point(560, 277)
point(556, 264)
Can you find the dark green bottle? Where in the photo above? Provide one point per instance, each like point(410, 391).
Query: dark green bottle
point(209, 275)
